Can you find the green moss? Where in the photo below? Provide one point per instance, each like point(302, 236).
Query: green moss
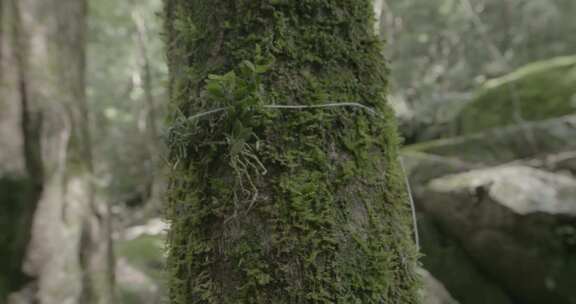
point(541, 90)
point(283, 206)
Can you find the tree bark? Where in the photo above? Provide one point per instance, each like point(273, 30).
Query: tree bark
point(285, 185)
point(58, 244)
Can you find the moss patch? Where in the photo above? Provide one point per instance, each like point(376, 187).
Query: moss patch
point(283, 206)
point(540, 90)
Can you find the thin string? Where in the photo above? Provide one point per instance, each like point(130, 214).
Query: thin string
point(327, 105)
point(412, 205)
point(332, 105)
point(293, 107)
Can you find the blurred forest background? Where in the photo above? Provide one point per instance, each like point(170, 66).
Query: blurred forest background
point(485, 94)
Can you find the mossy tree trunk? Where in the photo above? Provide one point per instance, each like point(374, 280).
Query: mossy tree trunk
point(54, 243)
point(269, 201)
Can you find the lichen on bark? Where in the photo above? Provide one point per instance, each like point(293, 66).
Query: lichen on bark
point(272, 205)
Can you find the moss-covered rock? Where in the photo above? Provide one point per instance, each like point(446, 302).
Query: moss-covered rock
point(498, 146)
point(535, 92)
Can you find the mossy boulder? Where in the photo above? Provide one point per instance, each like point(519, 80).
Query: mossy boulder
point(498, 146)
point(535, 92)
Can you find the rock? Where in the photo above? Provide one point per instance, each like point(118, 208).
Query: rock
point(536, 92)
point(24, 296)
point(154, 227)
point(506, 144)
point(557, 162)
point(135, 286)
point(422, 167)
point(140, 265)
point(522, 190)
point(433, 119)
point(564, 161)
point(433, 291)
point(444, 257)
point(516, 225)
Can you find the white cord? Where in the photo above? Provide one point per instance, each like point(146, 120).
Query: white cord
point(294, 107)
point(412, 206)
point(327, 105)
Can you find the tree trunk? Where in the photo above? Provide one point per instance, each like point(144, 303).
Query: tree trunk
point(285, 185)
point(56, 248)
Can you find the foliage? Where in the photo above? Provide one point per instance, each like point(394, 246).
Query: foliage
point(283, 206)
point(441, 50)
point(116, 94)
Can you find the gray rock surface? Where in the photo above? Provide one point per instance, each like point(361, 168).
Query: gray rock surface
point(434, 292)
point(523, 190)
point(506, 144)
point(515, 226)
point(135, 286)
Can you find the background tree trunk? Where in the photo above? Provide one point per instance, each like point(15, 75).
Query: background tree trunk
point(57, 249)
point(283, 205)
